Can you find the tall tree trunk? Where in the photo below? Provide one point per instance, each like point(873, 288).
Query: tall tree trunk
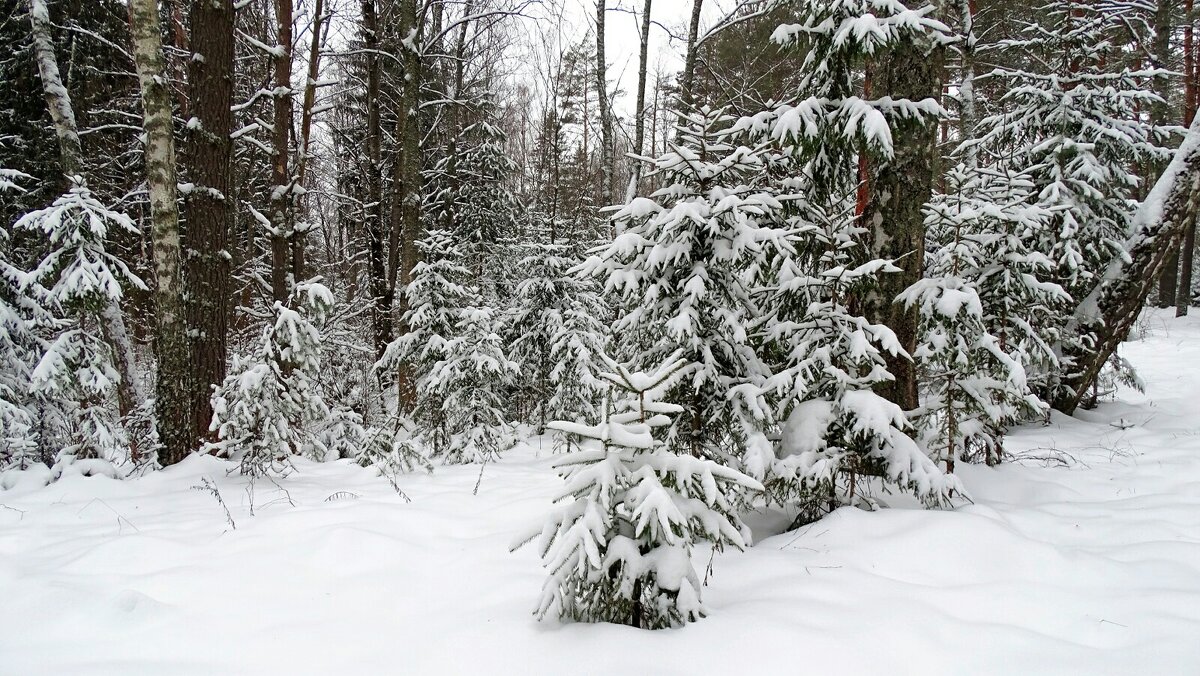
point(687, 79)
point(207, 155)
point(899, 189)
point(282, 218)
point(58, 101)
point(406, 179)
point(1111, 309)
point(1183, 297)
point(639, 134)
point(381, 298)
point(62, 114)
point(606, 124)
point(172, 400)
point(966, 89)
point(1159, 115)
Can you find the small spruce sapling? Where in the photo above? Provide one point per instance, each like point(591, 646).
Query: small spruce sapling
point(267, 409)
point(79, 279)
point(619, 548)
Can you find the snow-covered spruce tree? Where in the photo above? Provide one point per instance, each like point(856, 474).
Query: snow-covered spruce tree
point(18, 349)
point(1071, 122)
point(557, 332)
point(840, 438)
point(838, 434)
point(683, 264)
point(267, 409)
point(79, 280)
point(973, 388)
point(619, 548)
point(456, 356)
point(467, 193)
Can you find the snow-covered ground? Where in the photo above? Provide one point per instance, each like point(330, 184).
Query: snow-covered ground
point(1089, 567)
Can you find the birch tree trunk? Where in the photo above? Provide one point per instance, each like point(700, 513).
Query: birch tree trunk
point(175, 424)
point(207, 155)
point(58, 101)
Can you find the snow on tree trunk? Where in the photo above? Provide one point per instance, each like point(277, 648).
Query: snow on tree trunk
point(172, 400)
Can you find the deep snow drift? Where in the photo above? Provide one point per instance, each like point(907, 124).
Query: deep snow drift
point(1084, 557)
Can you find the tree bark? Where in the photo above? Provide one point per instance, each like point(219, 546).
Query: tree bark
point(172, 400)
point(207, 155)
point(406, 183)
point(381, 298)
point(58, 101)
point(687, 79)
point(900, 186)
point(639, 133)
point(282, 218)
point(606, 123)
point(1168, 283)
point(1183, 296)
point(1110, 310)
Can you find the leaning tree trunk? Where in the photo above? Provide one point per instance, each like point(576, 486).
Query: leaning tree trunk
point(1107, 313)
point(62, 114)
point(172, 400)
point(900, 186)
point(207, 157)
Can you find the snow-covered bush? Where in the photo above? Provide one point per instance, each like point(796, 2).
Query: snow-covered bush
point(620, 547)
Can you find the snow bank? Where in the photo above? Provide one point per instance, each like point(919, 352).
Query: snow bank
point(1089, 568)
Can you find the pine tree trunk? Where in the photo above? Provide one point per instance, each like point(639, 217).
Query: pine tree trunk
point(687, 80)
point(1159, 115)
point(1183, 296)
point(639, 134)
point(606, 124)
point(406, 183)
point(1111, 309)
point(899, 189)
point(207, 155)
point(172, 400)
point(282, 218)
point(381, 298)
